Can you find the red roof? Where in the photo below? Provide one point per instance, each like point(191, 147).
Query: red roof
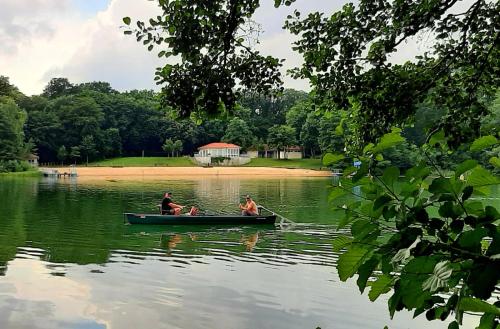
point(218, 146)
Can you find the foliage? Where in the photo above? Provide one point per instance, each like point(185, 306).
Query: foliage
point(212, 42)
point(12, 119)
point(168, 146)
point(281, 136)
point(238, 133)
point(62, 154)
point(178, 146)
point(74, 153)
point(88, 147)
point(350, 52)
point(425, 237)
point(14, 166)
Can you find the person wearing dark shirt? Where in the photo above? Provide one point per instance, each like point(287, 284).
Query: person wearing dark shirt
point(168, 207)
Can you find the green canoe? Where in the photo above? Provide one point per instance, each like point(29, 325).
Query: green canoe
point(199, 219)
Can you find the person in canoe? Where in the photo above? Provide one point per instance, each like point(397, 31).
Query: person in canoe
point(250, 207)
point(170, 208)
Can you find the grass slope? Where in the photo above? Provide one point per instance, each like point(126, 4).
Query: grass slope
point(29, 173)
point(144, 162)
point(286, 163)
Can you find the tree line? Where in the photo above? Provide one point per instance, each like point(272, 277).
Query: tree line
point(77, 123)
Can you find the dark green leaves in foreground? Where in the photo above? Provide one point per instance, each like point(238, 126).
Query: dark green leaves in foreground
point(425, 237)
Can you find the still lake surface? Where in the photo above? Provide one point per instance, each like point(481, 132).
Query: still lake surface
point(67, 260)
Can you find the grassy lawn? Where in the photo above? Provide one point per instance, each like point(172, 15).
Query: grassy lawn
point(29, 173)
point(144, 162)
point(285, 163)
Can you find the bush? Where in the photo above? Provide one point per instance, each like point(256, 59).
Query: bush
point(14, 166)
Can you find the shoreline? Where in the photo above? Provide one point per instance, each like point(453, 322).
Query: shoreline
point(158, 173)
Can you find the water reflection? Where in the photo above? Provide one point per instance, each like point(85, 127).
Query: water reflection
point(68, 261)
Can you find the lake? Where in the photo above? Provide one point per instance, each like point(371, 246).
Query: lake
point(67, 260)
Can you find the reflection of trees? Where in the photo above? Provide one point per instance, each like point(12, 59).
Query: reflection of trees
point(226, 192)
point(13, 225)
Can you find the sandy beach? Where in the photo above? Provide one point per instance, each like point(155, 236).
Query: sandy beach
point(159, 173)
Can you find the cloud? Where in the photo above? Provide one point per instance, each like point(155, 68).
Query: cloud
point(109, 55)
point(23, 20)
point(43, 39)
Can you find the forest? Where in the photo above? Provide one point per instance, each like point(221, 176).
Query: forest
point(77, 123)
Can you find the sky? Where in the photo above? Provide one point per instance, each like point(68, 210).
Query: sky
point(82, 41)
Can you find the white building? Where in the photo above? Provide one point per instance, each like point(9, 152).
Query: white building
point(215, 150)
point(221, 150)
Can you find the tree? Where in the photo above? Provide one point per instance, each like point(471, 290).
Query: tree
point(112, 143)
point(212, 41)
point(88, 147)
point(421, 236)
point(6, 89)
point(177, 147)
point(331, 133)
point(238, 133)
point(74, 153)
point(168, 146)
point(350, 53)
point(281, 137)
point(12, 119)
point(309, 134)
point(58, 87)
point(62, 154)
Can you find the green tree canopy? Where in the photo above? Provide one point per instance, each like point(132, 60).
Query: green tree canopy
point(281, 136)
point(238, 133)
point(12, 120)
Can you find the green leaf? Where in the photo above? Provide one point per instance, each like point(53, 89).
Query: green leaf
point(362, 229)
point(464, 167)
point(127, 20)
point(438, 138)
point(390, 176)
point(349, 262)
point(381, 201)
point(336, 193)
point(418, 172)
point(341, 242)
point(412, 277)
point(365, 271)
point(331, 158)
point(471, 240)
point(495, 161)
point(483, 142)
point(453, 325)
point(482, 177)
point(383, 285)
point(477, 305)
point(441, 185)
point(439, 278)
point(388, 140)
point(487, 322)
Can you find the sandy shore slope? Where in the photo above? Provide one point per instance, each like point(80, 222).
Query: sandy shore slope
point(153, 173)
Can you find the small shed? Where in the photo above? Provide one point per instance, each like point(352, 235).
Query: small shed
point(214, 150)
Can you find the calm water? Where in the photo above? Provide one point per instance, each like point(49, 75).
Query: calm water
point(68, 261)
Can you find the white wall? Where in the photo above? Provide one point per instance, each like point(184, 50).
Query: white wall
point(253, 154)
point(290, 155)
